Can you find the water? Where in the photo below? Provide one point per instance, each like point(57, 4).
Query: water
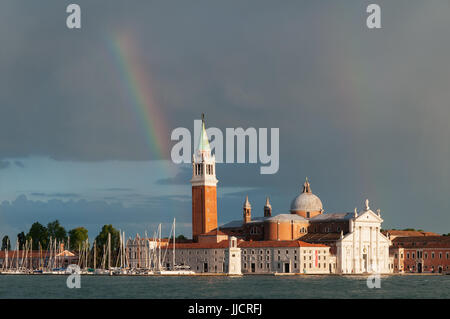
point(48, 286)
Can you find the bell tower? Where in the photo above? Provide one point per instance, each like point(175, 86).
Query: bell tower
point(204, 192)
point(247, 214)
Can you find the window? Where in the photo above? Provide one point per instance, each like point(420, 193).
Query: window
point(432, 255)
point(440, 255)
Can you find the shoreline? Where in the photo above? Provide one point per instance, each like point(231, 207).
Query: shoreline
point(224, 275)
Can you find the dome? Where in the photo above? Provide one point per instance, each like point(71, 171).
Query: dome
point(306, 201)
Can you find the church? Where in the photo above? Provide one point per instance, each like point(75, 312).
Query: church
point(353, 240)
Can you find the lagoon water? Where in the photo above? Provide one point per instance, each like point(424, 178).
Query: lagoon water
point(48, 286)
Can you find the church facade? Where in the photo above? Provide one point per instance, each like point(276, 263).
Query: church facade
point(353, 240)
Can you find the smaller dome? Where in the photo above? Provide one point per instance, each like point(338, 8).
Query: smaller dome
point(306, 201)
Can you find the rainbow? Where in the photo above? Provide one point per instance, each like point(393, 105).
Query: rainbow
point(139, 91)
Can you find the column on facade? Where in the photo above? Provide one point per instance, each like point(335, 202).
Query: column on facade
point(377, 256)
point(354, 246)
point(360, 248)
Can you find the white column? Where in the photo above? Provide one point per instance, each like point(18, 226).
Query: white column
point(377, 256)
point(360, 248)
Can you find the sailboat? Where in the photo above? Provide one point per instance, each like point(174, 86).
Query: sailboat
point(175, 270)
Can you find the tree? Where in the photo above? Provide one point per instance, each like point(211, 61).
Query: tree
point(21, 238)
point(39, 234)
point(56, 231)
point(181, 239)
point(6, 244)
point(102, 239)
point(77, 237)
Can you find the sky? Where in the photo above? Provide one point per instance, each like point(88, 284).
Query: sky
point(86, 115)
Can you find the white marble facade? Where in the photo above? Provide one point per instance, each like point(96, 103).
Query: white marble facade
point(364, 249)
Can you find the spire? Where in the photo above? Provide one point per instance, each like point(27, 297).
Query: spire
point(203, 144)
point(247, 203)
point(355, 213)
point(267, 202)
point(306, 187)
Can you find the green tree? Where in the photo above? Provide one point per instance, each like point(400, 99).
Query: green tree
point(102, 239)
point(21, 238)
point(181, 238)
point(56, 231)
point(38, 234)
point(77, 237)
point(6, 244)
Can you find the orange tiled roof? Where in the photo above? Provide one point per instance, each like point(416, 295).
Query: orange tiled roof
point(409, 233)
point(221, 244)
point(30, 254)
point(277, 243)
point(422, 242)
point(246, 244)
point(213, 233)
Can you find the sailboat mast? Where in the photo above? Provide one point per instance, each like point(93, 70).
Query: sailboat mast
point(95, 254)
point(159, 248)
point(109, 250)
point(173, 264)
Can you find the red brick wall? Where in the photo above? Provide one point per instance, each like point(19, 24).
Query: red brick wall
point(204, 210)
point(429, 259)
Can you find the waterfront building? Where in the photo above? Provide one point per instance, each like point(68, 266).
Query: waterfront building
point(36, 259)
point(353, 240)
point(421, 254)
point(235, 256)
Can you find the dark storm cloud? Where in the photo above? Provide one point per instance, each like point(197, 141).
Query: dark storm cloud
point(180, 178)
point(19, 164)
point(361, 112)
point(23, 212)
point(56, 195)
point(4, 164)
